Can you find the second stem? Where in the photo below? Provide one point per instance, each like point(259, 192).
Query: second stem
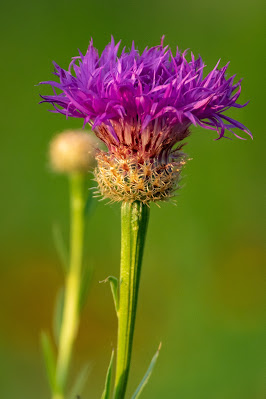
point(71, 315)
point(134, 221)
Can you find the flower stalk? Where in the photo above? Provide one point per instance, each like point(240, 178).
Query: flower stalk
point(134, 221)
point(71, 313)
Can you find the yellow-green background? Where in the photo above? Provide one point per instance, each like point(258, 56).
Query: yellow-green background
point(203, 283)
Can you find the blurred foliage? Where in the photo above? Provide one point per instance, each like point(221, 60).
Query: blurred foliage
point(203, 283)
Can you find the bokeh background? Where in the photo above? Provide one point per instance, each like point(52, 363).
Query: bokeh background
point(203, 283)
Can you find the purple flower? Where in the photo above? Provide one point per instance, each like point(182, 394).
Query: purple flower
point(143, 104)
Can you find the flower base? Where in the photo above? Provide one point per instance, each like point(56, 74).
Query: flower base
point(125, 179)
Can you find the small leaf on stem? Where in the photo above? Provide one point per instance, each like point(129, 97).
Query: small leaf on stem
point(58, 314)
point(85, 285)
point(80, 382)
point(114, 288)
point(60, 247)
point(146, 377)
point(107, 388)
point(49, 358)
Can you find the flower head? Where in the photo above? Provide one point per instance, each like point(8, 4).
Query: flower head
point(142, 104)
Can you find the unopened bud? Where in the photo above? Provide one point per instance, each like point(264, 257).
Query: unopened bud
point(73, 151)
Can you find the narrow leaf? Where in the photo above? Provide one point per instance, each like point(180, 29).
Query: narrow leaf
point(49, 358)
point(114, 288)
point(80, 382)
point(58, 314)
point(146, 377)
point(86, 279)
point(107, 388)
point(60, 247)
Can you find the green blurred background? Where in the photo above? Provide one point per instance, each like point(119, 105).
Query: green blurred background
point(203, 283)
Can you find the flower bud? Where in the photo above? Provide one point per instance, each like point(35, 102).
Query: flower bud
point(73, 151)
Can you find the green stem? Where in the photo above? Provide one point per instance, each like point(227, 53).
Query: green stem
point(134, 220)
point(70, 320)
